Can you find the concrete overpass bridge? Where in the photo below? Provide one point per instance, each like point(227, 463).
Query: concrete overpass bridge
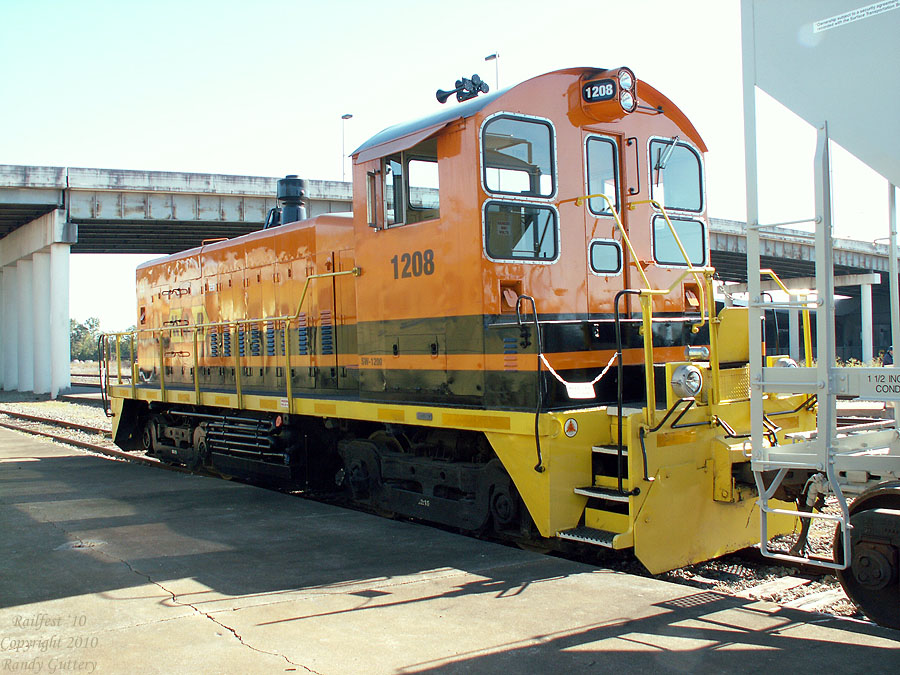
point(46, 213)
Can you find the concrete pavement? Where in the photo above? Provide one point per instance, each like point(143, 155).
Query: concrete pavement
point(110, 567)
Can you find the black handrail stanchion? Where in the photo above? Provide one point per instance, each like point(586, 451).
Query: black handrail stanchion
point(539, 467)
point(620, 375)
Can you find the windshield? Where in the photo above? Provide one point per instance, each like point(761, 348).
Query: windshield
point(518, 156)
point(675, 175)
point(602, 173)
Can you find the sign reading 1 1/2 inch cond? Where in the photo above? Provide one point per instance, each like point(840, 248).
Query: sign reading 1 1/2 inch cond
point(880, 386)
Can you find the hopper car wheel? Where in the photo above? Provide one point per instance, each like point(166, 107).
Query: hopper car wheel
point(872, 581)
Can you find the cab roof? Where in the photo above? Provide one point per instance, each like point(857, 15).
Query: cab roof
point(407, 134)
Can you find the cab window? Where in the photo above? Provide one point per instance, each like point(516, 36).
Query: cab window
point(517, 156)
point(606, 256)
point(675, 175)
point(521, 232)
point(692, 236)
point(602, 174)
point(411, 189)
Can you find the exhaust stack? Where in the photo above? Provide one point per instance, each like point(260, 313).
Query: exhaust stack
point(291, 196)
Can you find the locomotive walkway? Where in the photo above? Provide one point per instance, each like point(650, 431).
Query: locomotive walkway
point(107, 566)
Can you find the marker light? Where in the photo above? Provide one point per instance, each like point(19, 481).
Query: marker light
point(686, 381)
point(696, 353)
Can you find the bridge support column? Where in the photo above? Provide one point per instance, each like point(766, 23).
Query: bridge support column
point(865, 308)
point(40, 268)
point(10, 326)
point(2, 341)
point(34, 305)
point(26, 325)
point(60, 345)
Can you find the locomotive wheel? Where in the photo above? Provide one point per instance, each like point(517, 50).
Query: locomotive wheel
point(358, 480)
point(504, 506)
point(197, 457)
point(387, 440)
point(534, 546)
point(872, 581)
point(147, 439)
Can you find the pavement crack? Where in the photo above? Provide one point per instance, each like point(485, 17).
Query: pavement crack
point(175, 600)
point(237, 636)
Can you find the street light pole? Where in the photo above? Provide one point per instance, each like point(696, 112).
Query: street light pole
point(344, 118)
point(495, 57)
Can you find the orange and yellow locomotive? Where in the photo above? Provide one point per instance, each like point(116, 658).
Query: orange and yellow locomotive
point(515, 329)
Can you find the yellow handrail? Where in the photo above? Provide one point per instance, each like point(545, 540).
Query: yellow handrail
point(647, 319)
point(233, 324)
point(632, 205)
point(288, 373)
point(356, 271)
point(648, 291)
point(580, 200)
point(807, 328)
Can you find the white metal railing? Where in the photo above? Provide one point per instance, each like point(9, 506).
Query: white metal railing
point(842, 463)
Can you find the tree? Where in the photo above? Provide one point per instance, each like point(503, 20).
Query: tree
point(83, 339)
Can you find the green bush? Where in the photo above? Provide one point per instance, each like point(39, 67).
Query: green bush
point(83, 339)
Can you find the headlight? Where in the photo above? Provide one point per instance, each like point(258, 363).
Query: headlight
point(687, 381)
point(626, 79)
point(627, 101)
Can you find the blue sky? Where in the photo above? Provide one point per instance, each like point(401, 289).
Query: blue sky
point(258, 88)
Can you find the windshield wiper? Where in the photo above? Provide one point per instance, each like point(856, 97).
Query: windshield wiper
point(662, 158)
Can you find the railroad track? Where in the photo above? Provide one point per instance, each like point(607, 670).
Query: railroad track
point(795, 586)
point(37, 425)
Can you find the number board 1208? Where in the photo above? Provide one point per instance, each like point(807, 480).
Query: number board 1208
point(598, 90)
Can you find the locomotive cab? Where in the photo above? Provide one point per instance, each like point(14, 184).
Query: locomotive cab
point(555, 202)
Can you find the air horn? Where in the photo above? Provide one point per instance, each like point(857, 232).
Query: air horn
point(465, 89)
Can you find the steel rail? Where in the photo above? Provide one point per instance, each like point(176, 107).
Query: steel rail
point(52, 421)
point(93, 447)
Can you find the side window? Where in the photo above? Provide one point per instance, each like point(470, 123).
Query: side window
point(424, 190)
point(517, 157)
point(606, 256)
point(690, 233)
point(675, 175)
point(521, 232)
point(602, 174)
point(371, 208)
point(423, 183)
point(411, 189)
point(392, 169)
